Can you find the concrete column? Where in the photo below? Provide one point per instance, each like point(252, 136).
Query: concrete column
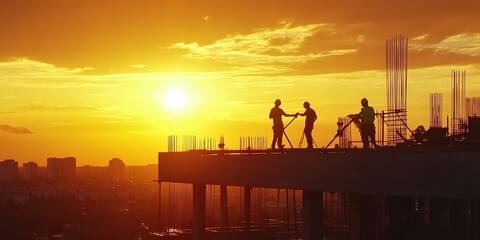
point(313, 227)
point(159, 207)
point(199, 211)
point(224, 206)
point(247, 191)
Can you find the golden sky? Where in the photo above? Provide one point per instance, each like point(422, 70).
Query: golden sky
point(89, 78)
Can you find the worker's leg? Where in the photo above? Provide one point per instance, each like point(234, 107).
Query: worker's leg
point(308, 135)
point(364, 134)
point(274, 140)
point(277, 136)
point(280, 137)
point(372, 136)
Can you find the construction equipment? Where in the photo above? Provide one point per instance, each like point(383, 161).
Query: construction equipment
point(354, 118)
point(301, 141)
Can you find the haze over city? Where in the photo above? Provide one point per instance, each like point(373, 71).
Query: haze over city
point(104, 79)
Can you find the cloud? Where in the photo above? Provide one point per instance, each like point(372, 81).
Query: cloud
point(15, 130)
point(138, 66)
point(421, 37)
point(264, 46)
point(55, 108)
point(28, 68)
point(467, 44)
point(29, 73)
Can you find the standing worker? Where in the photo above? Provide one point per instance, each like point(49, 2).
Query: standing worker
point(367, 126)
point(311, 116)
point(276, 114)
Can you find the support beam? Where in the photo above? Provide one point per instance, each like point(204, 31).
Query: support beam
point(224, 206)
point(248, 191)
point(159, 208)
point(199, 211)
point(313, 227)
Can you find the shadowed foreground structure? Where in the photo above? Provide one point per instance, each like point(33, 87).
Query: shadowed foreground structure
point(391, 193)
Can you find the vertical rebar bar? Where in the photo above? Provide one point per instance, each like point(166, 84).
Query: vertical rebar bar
point(458, 121)
point(473, 107)
point(436, 110)
point(396, 87)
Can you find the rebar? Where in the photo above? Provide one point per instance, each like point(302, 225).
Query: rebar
point(345, 137)
point(396, 54)
point(473, 107)
point(459, 78)
point(436, 110)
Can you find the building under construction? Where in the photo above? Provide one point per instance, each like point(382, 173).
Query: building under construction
point(422, 184)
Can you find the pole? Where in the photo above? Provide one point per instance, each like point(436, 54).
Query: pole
point(284, 133)
point(290, 143)
point(289, 122)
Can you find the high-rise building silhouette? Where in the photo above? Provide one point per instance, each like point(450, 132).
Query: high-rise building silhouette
point(116, 169)
point(62, 168)
point(8, 170)
point(30, 170)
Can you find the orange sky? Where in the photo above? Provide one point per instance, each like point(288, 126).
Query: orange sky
point(89, 78)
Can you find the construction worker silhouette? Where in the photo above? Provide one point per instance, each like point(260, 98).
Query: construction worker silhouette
point(276, 114)
point(310, 117)
point(367, 126)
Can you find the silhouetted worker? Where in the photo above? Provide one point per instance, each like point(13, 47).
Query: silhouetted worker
point(311, 116)
point(276, 114)
point(367, 126)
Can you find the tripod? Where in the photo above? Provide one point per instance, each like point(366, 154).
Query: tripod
point(301, 141)
point(339, 132)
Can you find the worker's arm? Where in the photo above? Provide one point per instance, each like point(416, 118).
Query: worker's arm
point(358, 115)
point(289, 115)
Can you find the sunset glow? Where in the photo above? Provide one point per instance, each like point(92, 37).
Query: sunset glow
point(130, 73)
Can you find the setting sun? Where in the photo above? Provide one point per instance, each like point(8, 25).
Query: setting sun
point(176, 100)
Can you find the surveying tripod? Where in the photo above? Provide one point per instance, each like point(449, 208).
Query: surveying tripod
point(303, 137)
point(340, 132)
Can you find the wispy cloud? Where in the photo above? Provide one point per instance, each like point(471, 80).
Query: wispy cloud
point(14, 130)
point(27, 67)
point(54, 108)
point(467, 44)
point(264, 46)
point(30, 73)
point(138, 66)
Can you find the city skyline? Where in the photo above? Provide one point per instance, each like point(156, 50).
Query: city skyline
point(97, 80)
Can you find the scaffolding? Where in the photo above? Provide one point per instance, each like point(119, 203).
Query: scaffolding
point(436, 110)
point(380, 128)
point(396, 55)
point(473, 107)
point(253, 143)
point(459, 117)
point(191, 142)
point(345, 137)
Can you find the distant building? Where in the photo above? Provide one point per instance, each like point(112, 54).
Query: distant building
point(30, 170)
point(146, 173)
point(8, 170)
point(91, 174)
point(62, 168)
point(116, 169)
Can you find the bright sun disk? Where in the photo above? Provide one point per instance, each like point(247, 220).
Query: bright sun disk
point(176, 100)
